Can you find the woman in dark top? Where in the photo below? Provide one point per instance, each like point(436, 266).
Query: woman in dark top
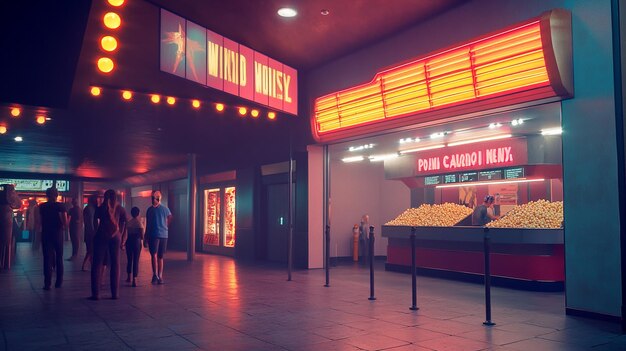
point(111, 219)
point(53, 220)
point(135, 232)
point(89, 218)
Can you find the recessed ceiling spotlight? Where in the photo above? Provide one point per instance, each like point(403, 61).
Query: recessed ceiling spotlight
point(287, 12)
point(18, 139)
point(325, 12)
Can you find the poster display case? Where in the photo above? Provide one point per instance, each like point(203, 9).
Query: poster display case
point(218, 219)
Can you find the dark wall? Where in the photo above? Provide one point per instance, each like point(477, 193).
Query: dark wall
point(247, 200)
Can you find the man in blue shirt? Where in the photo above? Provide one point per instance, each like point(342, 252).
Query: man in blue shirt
point(158, 218)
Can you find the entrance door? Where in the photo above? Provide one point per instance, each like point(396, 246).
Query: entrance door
point(178, 232)
point(277, 227)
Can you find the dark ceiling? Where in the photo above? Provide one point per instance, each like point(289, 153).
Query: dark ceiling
point(107, 138)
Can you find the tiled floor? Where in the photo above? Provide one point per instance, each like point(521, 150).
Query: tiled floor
point(216, 303)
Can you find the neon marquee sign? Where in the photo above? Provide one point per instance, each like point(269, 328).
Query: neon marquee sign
point(195, 53)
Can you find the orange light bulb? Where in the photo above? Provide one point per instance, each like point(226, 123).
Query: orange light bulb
point(243, 111)
point(254, 113)
point(219, 107)
point(171, 100)
point(155, 98)
point(15, 112)
point(41, 119)
point(112, 20)
point(116, 3)
point(108, 43)
point(271, 115)
point(3, 129)
point(195, 103)
point(95, 91)
point(105, 64)
point(127, 95)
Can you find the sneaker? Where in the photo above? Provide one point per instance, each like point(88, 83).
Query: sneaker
point(155, 279)
point(160, 281)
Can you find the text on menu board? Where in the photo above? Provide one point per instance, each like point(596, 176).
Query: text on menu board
point(36, 184)
point(195, 53)
point(475, 156)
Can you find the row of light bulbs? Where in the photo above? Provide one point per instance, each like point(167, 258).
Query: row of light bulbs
point(108, 43)
point(16, 112)
point(127, 95)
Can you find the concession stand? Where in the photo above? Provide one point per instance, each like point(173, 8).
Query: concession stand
point(450, 127)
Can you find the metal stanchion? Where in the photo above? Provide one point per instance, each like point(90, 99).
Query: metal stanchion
point(413, 273)
point(327, 256)
point(371, 254)
point(487, 247)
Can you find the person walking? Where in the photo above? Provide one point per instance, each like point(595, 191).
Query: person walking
point(53, 221)
point(89, 219)
point(134, 237)
point(158, 219)
point(111, 218)
point(76, 222)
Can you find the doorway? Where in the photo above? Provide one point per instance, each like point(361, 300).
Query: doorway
point(276, 220)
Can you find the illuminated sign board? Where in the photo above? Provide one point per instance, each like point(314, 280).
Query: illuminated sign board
point(527, 62)
point(36, 184)
point(509, 152)
point(514, 173)
point(202, 56)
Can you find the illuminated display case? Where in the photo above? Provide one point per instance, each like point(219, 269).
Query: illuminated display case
point(218, 220)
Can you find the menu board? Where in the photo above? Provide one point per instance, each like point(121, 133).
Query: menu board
point(468, 177)
point(229, 217)
point(490, 175)
point(517, 172)
point(36, 184)
point(450, 178)
point(432, 180)
point(211, 217)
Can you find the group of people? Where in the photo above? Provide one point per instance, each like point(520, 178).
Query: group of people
point(107, 230)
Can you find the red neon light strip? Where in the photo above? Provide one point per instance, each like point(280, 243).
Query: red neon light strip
point(507, 62)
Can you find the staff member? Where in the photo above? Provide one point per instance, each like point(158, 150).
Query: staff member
point(158, 218)
point(481, 214)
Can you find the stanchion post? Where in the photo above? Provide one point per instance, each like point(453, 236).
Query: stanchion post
point(327, 234)
point(371, 254)
point(413, 273)
point(487, 249)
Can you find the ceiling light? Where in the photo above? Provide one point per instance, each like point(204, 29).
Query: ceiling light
point(254, 113)
point(195, 103)
point(489, 183)
point(438, 135)
point(409, 140)
point(287, 12)
point(471, 141)
point(360, 147)
point(108, 43)
point(271, 115)
point(112, 20)
point(41, 119)
point(352, 159)
point(552, 131)
point(19, 139)
point(325, 12)
point(3, 129)
point(127, 95)
point(155, 98)
point(219, 107)
point(15, 112)
point(378, 158)
point(243, 111)
point(495, 125)
point(95, 91)
point(408, 151)
point(105, 64)
point(171, 100)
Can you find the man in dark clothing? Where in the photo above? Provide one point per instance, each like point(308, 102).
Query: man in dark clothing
point(76, 223)
point(53, 221)
point(481, 214)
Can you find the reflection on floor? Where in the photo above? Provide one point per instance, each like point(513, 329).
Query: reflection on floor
point(215, 303)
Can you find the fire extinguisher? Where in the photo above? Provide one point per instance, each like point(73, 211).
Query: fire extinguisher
point(355, 247)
